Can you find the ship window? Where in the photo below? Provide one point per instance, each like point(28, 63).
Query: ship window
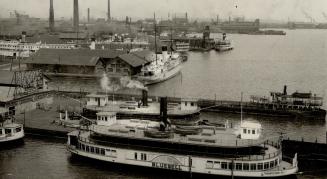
point(244, 131)
point(209, 164)
point(83, 147)
point(245, 166)
point(230, 166)
point(249, 131)
point(18, 129)
point(0, 131)
point(97, 150)
point(92, 149)
point(192, 104)
point(7, 131)
point(106, 118)
point(253, 166)
point(102, 151)
point(260, 166)
point(272, 164)
point(276, 162)
point(216, 165)
point(266, 165)
point(135, 156)
point(238, 166)
point(143, 156)
point(87, 148)
point(224, 165)
point(253, 131)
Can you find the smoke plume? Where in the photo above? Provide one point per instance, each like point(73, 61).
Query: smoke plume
point(117, 83)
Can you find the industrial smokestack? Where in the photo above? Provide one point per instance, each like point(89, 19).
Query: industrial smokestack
point(51, 17)
point(23, 37)
point(285, 90)
point(109, 16)
point(88, 15)
point(76, 16)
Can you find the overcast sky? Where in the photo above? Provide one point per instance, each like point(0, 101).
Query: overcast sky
point(300, 10)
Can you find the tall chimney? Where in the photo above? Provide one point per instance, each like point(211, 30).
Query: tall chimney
point(51, 17)
point(109, 16)
point(75, 17)
point(88, 15)
point(285, 90)
point(23, 37)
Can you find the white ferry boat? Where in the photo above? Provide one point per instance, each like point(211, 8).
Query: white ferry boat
point(10, 132)
point(223, 44)
point(163, 68)
point(183, 112)
point(210, 150)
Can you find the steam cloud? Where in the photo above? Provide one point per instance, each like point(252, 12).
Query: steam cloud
point(117, 83)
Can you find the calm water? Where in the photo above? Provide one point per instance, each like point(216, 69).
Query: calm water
point(257, 65)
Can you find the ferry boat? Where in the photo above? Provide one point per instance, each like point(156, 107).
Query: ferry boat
point(297, 104)
point(223, 44)
point(10, 132)
point(163, 68)
point(183, 112)
point(209, 150)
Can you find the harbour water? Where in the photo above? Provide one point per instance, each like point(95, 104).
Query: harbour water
point(257, 65)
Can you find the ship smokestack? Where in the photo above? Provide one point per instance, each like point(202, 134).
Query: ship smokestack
point(285, 90)
point(164, 52)
point(51, 17)
point(23, 37)
point(163, 113)
point(76, 16)
point(145, 97)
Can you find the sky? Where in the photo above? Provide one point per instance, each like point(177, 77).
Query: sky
point(295, 10)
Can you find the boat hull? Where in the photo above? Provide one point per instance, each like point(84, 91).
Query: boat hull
point(162, 77)
point(171, 162)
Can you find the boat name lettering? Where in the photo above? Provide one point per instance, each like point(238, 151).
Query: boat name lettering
point(166, 166)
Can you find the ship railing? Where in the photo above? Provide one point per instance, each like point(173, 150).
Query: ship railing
point(197, 153)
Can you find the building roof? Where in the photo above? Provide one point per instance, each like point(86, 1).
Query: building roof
point(79, 57)
point(138, 58)
point(6, 78)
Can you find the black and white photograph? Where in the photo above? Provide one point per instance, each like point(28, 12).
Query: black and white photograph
point(161, 89)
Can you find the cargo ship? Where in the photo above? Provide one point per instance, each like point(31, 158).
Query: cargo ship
point(198, 150)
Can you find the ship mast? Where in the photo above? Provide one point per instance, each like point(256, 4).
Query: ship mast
point(155, 37)
point(241, 107)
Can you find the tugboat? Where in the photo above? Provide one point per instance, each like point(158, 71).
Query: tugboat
point(185, 112)
point(200, 150)
point(10, 132)
point(223, 44)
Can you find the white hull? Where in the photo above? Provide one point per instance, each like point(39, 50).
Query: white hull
point(224, 48)
point(12, 137)
point(182, 163)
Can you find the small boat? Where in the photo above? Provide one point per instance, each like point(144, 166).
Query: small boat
point(223, 44)
point(239, 152)
point(10, 132)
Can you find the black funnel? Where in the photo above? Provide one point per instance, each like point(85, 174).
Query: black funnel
point(163, 110)
point(144, 97)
